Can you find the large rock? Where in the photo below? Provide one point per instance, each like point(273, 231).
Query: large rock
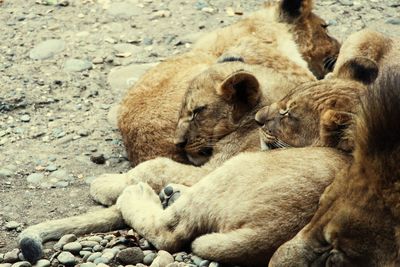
point(122, 78)
point(124, 9)
point(47, 49)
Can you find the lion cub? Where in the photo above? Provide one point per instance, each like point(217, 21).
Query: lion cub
point(285, 36)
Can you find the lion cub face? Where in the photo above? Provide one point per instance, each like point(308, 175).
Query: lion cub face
point(317, 113)
point(214, 106)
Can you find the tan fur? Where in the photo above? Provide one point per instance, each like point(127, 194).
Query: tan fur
point(358, 219)
point(238, 214)
point(357, 222)
point(149, 112)
point(224, 119)
point(318, 113)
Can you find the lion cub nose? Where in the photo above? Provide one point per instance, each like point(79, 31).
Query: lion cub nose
point(261, 116)
point(180, 142)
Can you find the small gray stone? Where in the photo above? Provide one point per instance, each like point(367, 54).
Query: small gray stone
point(84, 253)
point(4, 173)
point(64, 240)
point(204, 263)
point(60, 175)
point(197, 260)
point(73, 247)
point(163, 259)
point(11, 256)
point(22, 264)
point(25, 118)
point(130, 256)
point(149, 258)
point(97, 60)
point(100, 260)
point(76, 65)
point(98, 158)
point(144, 244)
point(94, 256)
point(98, 248)
point(51, 168)
point(88, 264)
point(346, 2)
point(5, 264)
point(35, 178)
point(11, 225)
point(123, 10)
point(83, 132)
point(393, 21)
point(66, 258)
point(42, 263)
point(47, 49)
point(214, 264)
point(122, 78)
point(95, 238)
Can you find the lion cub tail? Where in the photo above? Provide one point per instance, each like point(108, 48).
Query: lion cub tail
point(378, 129)
point(103, 220)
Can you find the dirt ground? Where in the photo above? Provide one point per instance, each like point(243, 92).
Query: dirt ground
point(58, 98)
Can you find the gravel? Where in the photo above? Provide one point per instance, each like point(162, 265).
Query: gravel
point(64, 69)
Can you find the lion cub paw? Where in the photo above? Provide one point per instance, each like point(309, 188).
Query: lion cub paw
point(171, 193)
point(106, 188)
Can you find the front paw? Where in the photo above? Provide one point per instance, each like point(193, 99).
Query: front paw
point(106, 188)
point(171, 193)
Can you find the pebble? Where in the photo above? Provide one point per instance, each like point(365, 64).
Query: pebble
point(149, 258)
point(77, 65)
point(4, 173)
point(98, 248)
point(98, 158)
point(66, 258)
point(346, 2)
point(22, 264)
point(51, 168)
point(101, 260)
point(197, 260)
point(47, 49)
point(132, 255)
point(35, 178)
point(122, 78)
point(42, 263)
point(123, 10)
point(94, 256)
point(73, 247)
point(393, 21)
point(64, 240)
point(97, 239)
point(88, 264)
point(214, 264)
point(60, 175)
point(5, 264)
point(11, 256)
point(163, 259)
point(11, 225)
point(204, 263)
point(25, 118)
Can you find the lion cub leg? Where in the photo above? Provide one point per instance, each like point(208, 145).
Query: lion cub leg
point(141, 209)
point(241, 246)
point(157, 173)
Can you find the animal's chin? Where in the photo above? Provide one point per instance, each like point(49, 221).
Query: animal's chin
point(268, 142)
point(201, 156)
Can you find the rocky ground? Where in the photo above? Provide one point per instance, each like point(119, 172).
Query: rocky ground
point(64, 66)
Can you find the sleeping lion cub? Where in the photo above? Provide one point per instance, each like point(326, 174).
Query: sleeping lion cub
point(284, 36)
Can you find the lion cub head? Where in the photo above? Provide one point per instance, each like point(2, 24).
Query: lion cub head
point(318, 48)
point(318, 113)
point(217, 103)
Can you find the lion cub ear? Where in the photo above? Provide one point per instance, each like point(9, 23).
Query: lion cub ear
point(334, 129)
point(242, 90)
point(360, 69)
point(291, 10)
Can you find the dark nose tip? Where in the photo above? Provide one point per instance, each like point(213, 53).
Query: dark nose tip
point(181, 143)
